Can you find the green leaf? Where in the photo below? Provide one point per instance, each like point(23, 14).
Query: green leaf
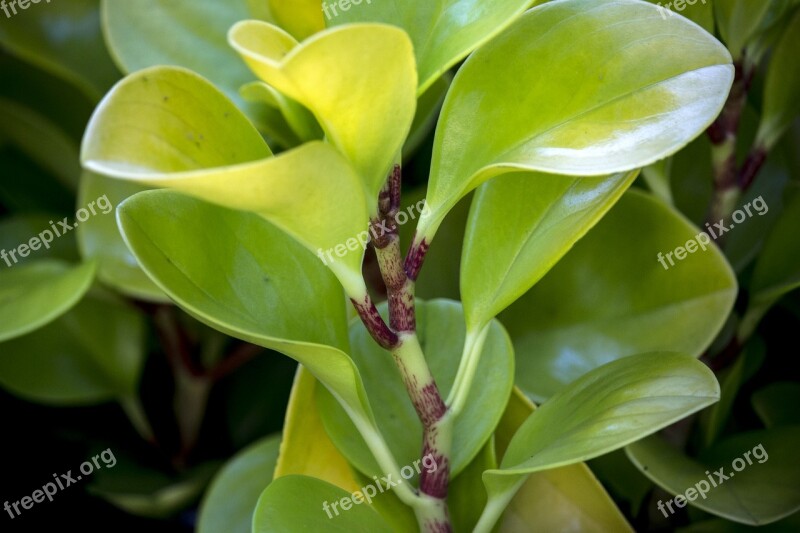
point(781, 105)
point(623, 480)
point(92, 354)
point(562, 499)
point(560, 331)
point(791, 523)
point(465, 495)
point(99, 238)
point(440, 326)
point(738, 21)
point(658, 178)
point(606, 409)
point(776, 404)
point(298, 120)
point(519, 227)
point(40, 90)
point(306, 448)
point(610, 407)
point(428, 107)
point(35, 294)
point(168, 127)
point(295, 503)
point(19, 228)
point(712, 420)
point(65, 39)
point(184, 33)
point(602, 87)
point(41, 140)
point(777, 271)
point(766, 486)
point(233, 494)
point(301, 18)
point(443, 31)
point(359, 82)
point(254, 282)
point(143, 491)
point(275, 126)
point(692, 186)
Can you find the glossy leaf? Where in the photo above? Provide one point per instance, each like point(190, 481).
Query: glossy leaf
point(306, 448)
point(766, 486)
point(35, 294)
point(776, 404)
point(738, 21)
point(443, 31)
point(65, 39)
point(358, 81)
point(440, 326)
point(566, 499)
point(93, 353)
point(99, 238)
point(255, 283)
point(781, 105)
point(295, 503)
point(604, 87)
point(610, 407)
point(149, 33)
point(233, 494)
point(428, 106)
point(168, 127)
point(519, 227)
point(604, 410)
point(561, 332)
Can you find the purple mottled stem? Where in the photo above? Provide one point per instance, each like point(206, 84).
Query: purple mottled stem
point(752, 165)
point(415, 258)
point(374, 323)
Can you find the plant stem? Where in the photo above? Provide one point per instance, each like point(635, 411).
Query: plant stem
point(192, 384)
point(240, 355)
point(437, 427)
point(473, 346)
point(400, 338)
point(496, 506)
point(385, 337)
point(723, 134)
